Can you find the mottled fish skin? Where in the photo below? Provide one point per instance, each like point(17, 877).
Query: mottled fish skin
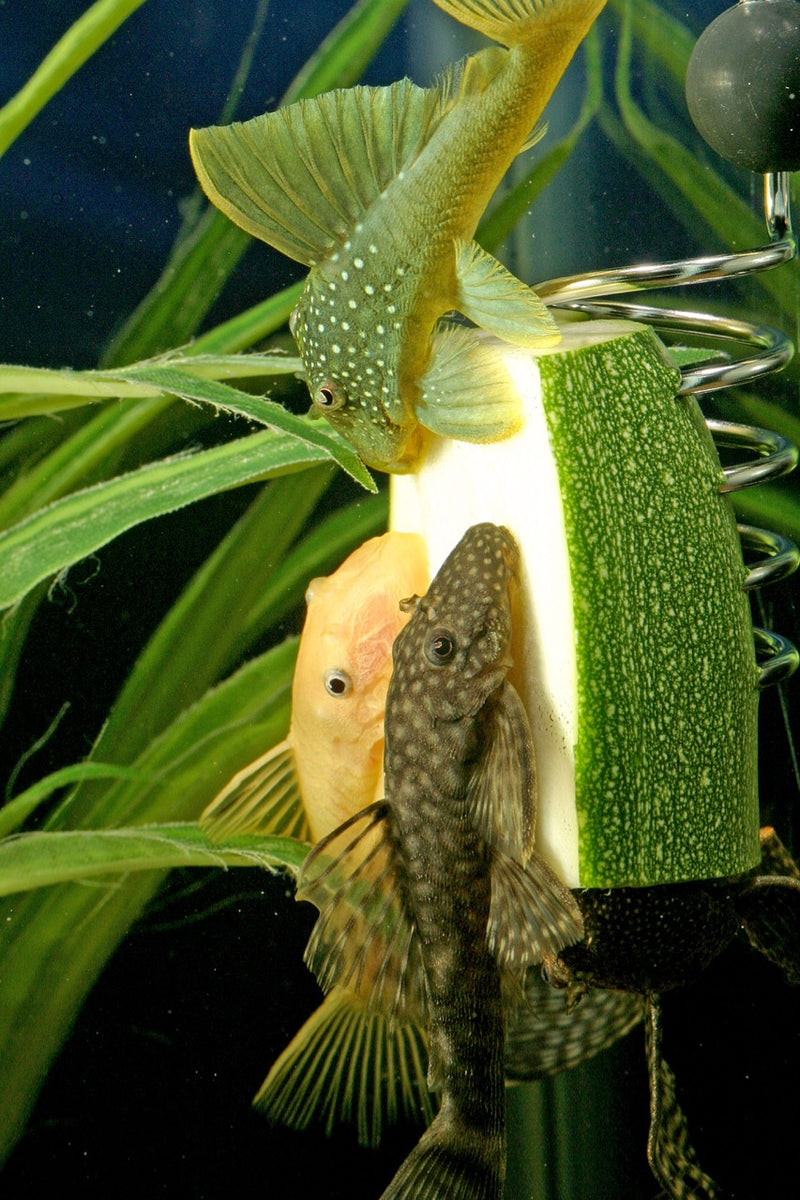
point(449, 905)
point(453, 656)
point(387, 230)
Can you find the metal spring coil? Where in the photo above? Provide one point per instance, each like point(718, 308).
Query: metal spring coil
point(774, 454)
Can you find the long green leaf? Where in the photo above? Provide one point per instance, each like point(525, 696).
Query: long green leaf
point(16, 811)
point(252, 325)
point(54, 941)
point(37, 391)
point(117, 436)
point(34, 860)
point(666, 42)
point(78, 44)
point(58, 536)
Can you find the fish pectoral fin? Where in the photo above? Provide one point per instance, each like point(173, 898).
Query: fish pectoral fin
point(364, 938)
point(349, 1065)
point(499, 302)
point(502, 790)
point(548, 1036)
point(263, 798)
point(467, 391)
point(302, 177)
point(532, 915)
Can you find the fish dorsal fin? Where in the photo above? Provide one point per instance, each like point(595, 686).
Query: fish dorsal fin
point(263, 798)
point(467, 392)
point(302, 177)
point(499, 302)
point(364, 939)
point(349, 1065)
point(502, 790)
point(532, 914)
point(550, 1035)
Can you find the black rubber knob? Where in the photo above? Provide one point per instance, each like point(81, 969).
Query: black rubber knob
point(743, 85)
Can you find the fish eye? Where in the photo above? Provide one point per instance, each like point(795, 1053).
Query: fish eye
point(440, 647)
point(329, 396)
point(337, 683)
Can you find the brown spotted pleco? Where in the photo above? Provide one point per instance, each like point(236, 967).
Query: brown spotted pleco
point(441, 917)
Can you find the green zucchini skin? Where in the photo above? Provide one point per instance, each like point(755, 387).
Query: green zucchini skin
point(666, 753)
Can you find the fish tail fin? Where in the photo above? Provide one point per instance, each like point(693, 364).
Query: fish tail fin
point(349, 1065)
point(515, 22)
point(451, 1161)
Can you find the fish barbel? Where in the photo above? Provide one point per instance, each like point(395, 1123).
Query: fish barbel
point(379, 191)
point(450, 895)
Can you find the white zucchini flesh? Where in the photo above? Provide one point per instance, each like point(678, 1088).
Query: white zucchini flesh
point(634, 651)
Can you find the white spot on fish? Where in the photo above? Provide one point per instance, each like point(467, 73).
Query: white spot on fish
point(358, 263)
point(352, 304)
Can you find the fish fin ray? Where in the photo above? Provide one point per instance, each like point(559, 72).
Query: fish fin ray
point(364, 937)
point(499, 302)
point(453, 1161)
point(300, 178)
point(516, 22)
point(349, 1065)
point(548, 1035)
point(532, 915)
point(263, 798)
point(502, 790)
point(467, 392)
point(534, 137)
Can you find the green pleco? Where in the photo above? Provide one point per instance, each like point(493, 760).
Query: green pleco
point(666, 756)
